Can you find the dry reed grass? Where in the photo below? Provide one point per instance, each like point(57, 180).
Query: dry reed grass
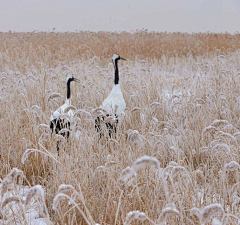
point(182, 121)
point(50, 49)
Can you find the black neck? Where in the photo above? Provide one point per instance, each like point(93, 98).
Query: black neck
point(116, 80)
point(68, 89)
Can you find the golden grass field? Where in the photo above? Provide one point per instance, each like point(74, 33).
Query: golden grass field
point(183, 107)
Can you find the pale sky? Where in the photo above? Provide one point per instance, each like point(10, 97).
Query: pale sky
point(120, 15)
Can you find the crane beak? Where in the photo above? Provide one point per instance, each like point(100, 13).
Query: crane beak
point(123, 58)
point(76, 80)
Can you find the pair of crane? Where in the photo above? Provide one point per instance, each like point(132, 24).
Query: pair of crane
point(114, 105)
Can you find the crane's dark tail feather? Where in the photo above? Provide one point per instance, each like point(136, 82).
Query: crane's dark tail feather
point(56, 125)
point(111, 127)
point(58, 142)
point(98, 127)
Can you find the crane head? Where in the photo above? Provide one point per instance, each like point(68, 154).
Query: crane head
point(70, 78)
point(117, 57)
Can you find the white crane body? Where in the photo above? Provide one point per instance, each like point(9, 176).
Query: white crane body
point(114, 104)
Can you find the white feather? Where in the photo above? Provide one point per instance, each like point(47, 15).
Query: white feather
point(115, 56)
point(114, 103)
point(60, 111)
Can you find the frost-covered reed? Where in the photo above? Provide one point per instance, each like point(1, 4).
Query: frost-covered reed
point(141, 162)
point(183, 110)
point(18, 203)
point(134, 215)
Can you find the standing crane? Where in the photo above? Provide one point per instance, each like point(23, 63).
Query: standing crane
point(60, 123)
point(114, 104)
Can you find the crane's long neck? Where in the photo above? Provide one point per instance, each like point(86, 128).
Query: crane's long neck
point(68, 92)
point(116, 79)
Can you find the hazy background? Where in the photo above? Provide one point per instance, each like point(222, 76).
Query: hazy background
point(120, 15)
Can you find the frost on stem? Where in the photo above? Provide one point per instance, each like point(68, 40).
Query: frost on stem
point(54, 95)
point(170, 169)
point(71, 200)
point(134, 137)
point(169, 210)
point(134, 215)
point(219, 123)
point(38, 192)
point(99, 111)
point(127, 173)
point(26, 154)
point(65, 188)
point(11, 179)
point(232, 166)
point(135, 109)
point(226, 136)
point(235, 196)
point(62, 196)
point(221, 147)
point(32, 192)
point(142, 162)
point(155, 105)
point(35, 191)
point(215, 126)
point(70, 107)
point(210, 129)
point(71, 191)
point(44, 127)
point(8, 200)
point(230, 129)
point(179, 169)
point(208, 212)
point(82, 112)
point(60, 137)
point(173, 163)
point(58, 198)
point(44, 137)
point(196, 211)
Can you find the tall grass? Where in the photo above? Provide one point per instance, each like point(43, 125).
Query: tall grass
point(176, 156)
point(24, 50)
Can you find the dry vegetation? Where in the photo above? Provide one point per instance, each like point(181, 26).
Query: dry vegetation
point(183, 107)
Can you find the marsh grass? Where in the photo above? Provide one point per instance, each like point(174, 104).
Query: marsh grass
point(176, 154)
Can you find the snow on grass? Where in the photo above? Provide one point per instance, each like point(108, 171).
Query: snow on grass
point(21, 204)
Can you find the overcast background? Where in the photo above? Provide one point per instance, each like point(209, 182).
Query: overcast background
point(120, 15)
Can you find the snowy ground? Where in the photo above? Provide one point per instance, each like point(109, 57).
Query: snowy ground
point(14, 209)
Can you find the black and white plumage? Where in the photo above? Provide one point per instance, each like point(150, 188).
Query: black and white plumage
point(114, 104)
point(60, 120)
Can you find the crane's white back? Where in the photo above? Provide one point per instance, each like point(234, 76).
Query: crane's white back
point(114, 103)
